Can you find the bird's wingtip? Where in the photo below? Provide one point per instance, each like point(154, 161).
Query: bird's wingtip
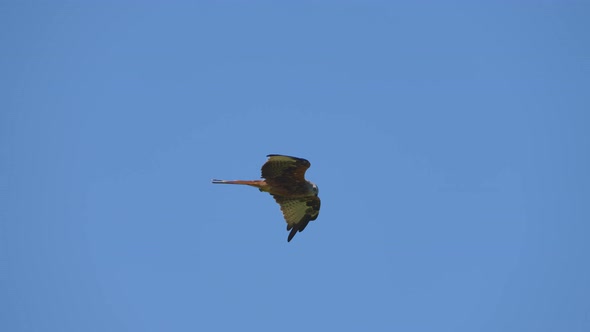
point(292, 234)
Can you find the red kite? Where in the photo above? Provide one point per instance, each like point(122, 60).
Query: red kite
point(284, 179)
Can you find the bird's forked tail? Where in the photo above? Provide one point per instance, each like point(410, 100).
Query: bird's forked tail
point(254, 183)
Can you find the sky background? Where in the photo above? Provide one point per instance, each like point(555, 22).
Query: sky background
point(450, 142)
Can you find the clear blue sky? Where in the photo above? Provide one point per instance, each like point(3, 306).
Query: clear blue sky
point(450, 142)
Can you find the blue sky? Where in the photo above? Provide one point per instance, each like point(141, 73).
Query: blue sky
point(450, 142)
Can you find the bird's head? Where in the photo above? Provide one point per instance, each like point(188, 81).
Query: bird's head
point(315, 189)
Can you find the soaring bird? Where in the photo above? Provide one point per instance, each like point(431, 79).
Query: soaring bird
point(284, 179)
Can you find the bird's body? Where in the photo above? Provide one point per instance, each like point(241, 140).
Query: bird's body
point(284, 178)
point(262, 185)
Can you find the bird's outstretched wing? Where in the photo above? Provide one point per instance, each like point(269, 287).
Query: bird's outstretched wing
point(285, 172)
point(298, 212)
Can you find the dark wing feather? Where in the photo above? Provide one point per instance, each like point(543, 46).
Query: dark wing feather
point(298, 212)
point(285, 171)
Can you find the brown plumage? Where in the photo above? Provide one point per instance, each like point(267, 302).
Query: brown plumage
point(284, 179)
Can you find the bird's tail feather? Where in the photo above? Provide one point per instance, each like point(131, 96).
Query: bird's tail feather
point(255, 183)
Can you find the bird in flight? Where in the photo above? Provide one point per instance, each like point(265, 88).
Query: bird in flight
point(284, 179)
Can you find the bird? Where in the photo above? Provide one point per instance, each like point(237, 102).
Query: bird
point(284, 179)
